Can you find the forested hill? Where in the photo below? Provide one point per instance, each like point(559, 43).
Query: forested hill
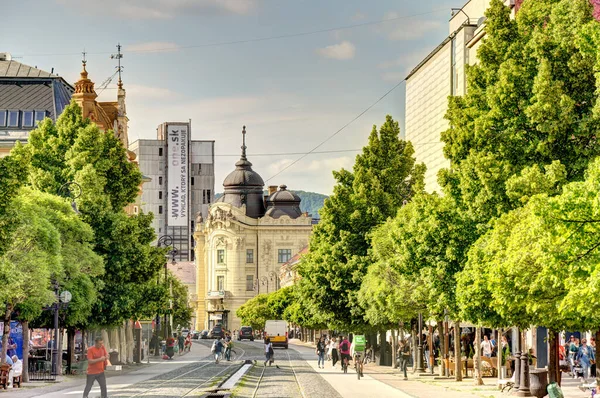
point(312, 202)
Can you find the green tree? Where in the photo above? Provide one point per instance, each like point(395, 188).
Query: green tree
point(182, 313)
point(530, 100)
point(383, 178)
point(256, 312)
point(74, 149)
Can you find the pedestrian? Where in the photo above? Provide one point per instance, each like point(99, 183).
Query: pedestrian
point(573, 349)
point(269, 353)
point(487, 347)
point(154, 345)
point(181, 343)
point(217, 349)
point(404, 357)
point(228, 346)
point(334, 352)
point(585, 356)
point(321, 353)
point(97, 363)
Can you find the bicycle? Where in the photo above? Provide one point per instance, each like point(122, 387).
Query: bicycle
point(345, 364)
point(358, 365)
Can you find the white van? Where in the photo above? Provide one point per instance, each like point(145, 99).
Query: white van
point(277, 332)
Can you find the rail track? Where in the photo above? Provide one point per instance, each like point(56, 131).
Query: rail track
point(293, 371)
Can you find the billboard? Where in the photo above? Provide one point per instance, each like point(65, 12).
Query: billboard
point(177, 175)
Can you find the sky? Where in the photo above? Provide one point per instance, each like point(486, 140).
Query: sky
point(206, 60)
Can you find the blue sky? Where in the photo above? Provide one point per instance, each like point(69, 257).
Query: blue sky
point(291, 93)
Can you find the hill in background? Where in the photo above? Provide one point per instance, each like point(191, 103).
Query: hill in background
point(312, 202)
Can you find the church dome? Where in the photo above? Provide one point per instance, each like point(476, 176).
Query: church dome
point(283, 203)
point(244, 187)
point(243, 175)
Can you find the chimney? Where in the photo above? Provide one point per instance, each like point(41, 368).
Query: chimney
point(272, 189)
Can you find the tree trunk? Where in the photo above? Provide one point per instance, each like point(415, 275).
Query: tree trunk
point(457, 358)
point(131, 341)
point(394, 348)
point(415, 347)
point(70, 349)
point(122, 345)
point(442, 368)
point(553, 363)
point(478, 380)
point(6, 332)
point(26, 348)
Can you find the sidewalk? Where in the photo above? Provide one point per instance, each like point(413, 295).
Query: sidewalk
point(426, 387)
point(131, 374)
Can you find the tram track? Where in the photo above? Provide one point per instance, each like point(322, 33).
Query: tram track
point(293, 371)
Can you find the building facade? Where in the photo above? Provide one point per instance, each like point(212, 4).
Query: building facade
point(242, 243)
point(27, 96)
point(181, 182)
point(440, 75)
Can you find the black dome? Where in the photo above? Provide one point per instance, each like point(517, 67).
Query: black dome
point(283, 203)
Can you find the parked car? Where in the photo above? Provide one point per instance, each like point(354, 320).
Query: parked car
point(204, 334)
point(217, 331)
point(246, 332)
point(195, 335)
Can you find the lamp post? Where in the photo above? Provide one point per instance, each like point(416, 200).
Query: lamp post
point(62, 300)
point(419, 364)
point(457, 10)
point(166, 241)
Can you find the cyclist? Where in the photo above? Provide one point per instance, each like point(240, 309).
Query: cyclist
point(358, 352)
point(344, 352)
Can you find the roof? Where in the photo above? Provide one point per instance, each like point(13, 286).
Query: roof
point(185, 271)
point(436, 50)
point(283, 203)
point(296, 257)
point(17, 69)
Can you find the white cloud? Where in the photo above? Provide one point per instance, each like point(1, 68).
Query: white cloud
point(159, 9)
point(152, 46)
point(397, 69)
point(358, 16)
point(342, 51)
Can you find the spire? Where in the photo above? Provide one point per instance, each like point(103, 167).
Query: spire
point(84, 73)
point(244, 144)
point(84, 85)
point(118, 57)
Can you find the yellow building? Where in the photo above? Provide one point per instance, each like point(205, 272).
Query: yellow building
point(242, 244)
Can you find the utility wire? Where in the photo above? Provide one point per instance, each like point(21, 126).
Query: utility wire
point(337, 132)
point(258, 39)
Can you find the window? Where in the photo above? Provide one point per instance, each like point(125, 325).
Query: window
point(159, 209)
point(13, 118)
point(2, 118)
point(160, 151)
point(284, 255)
point(39, 116)
point(27, 119)
point(208, 196)
point(192, 225)
point(192, 181)
point(249, 283)
point(159, 180)
point(220, 256)
point(220, 283)
point(204, 196)
point(160, 194)
point(249, 256)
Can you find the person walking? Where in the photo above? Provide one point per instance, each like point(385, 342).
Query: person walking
point(486, 347)
point(573, 349)
point(228, 347)
point(585, 356)
point(97, 363)
point(217, 349)
point(593, 361)
point(269, 353)
point(334, 352)
point(180, 343)
point(321, 353)
point(404, 357)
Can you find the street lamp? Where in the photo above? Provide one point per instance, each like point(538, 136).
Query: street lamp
point(166, 241)
point(457, 10)
point(62, 300)
point(70, 190)
point(419, 367)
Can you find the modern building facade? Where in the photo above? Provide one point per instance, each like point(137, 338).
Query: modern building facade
point(242, 243)
point(27, 96)
point(440, 75)
point(181, 182)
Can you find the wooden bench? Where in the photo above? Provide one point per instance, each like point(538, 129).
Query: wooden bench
point(4, 371)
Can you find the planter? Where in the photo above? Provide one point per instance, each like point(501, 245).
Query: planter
point(538, 381)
